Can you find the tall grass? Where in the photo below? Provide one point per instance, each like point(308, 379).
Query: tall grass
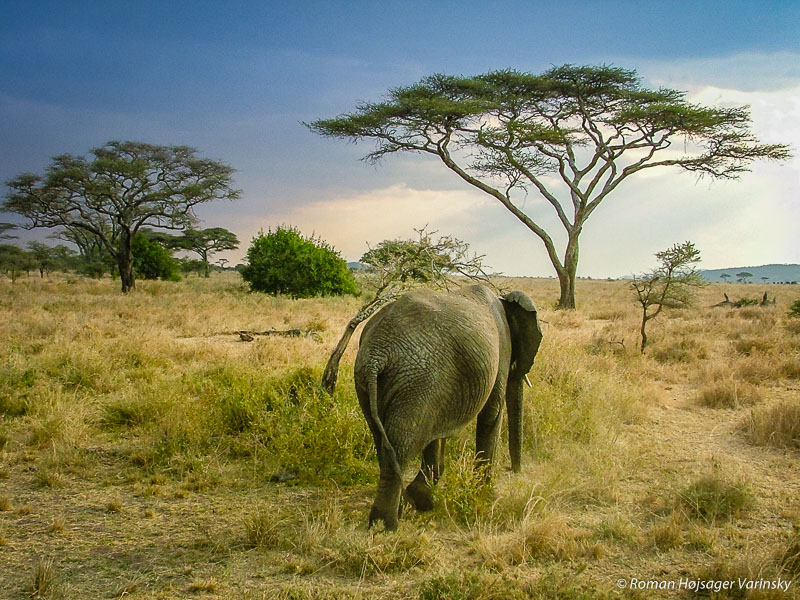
point(145, 411)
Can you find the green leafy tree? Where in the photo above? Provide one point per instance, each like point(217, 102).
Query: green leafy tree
point(725, 276)
point(43, 256)
point(571, 135)
point(121, 188)
point(205, 242)
point(286, 262)
point(670, 285)
point(191, 265)
point(93, 258)
point(743, 276)
point(394, 266)
point(14, 260)
point(152, 261)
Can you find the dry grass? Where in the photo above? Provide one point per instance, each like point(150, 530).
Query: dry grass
point(140, 439)
point(777, 425)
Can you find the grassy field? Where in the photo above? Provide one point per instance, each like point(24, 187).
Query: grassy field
point(147, 452)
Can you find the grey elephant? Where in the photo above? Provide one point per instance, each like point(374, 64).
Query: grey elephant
point(429, 363)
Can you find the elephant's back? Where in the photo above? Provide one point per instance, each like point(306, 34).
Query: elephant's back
point(425, 345)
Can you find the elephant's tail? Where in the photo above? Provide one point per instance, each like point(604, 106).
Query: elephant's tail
point(386, 445)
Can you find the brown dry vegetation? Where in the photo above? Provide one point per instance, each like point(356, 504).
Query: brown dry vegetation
point(146, 452)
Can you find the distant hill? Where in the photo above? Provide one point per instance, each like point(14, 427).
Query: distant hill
point(773, 274)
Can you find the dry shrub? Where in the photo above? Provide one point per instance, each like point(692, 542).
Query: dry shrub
point(758, 369)
point(728, 394)
point(685, 351)
point(751, 345)
point(539, 536)
point(790, 367)
point(793, 326)
point(43, 579)
point(667, 534)
point(711, 499)
point(265, 528)
point(789, 557)
point(608, 314)
point(777, 425)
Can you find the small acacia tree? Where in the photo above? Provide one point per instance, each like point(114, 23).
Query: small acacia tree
point(570, 135)
point(205, 242)
point(286, 262)
point(123, 187)
point(669, 285)
point(394, 266)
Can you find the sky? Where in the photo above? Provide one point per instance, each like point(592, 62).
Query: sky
point(236, 80)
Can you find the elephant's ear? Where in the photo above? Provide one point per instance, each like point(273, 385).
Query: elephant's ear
point(523, 325)
point(520, 298)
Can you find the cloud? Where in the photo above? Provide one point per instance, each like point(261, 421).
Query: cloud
point(352, 221)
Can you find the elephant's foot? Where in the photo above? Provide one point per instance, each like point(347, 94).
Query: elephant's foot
point(420, 495)
point(389, 518)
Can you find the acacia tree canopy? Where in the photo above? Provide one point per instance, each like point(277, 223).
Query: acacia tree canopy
point(122, 187)
point(591, 127)
point(397, 265)
point(669, 285)
point(204, 242)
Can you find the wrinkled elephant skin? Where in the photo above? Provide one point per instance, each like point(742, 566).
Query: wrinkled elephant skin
point(427, 365)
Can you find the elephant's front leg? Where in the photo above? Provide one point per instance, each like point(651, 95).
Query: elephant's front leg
point(487, 432)
point(419, 491)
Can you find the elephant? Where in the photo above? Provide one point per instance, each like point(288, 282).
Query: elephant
point(427, 364)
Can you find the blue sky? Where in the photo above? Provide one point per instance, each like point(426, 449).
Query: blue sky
point(235, 79)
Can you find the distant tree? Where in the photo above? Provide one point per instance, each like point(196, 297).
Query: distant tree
point(152, 261)
point(191, 265)
point(166, 240)
point(743, 276)
point(765, 278)
point(669, 285)
point(4, 229)
point(14, 260)
point(572, 134)
point(43, 256)
point(205, 242)
point(93, 260)
point(286, 262)
point(394, 266)
point(123, 187)
point(725, 276)
point(222, 262)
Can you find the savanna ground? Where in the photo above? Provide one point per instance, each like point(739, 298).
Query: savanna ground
point(147, 452)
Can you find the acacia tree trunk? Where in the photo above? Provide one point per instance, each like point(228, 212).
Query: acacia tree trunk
point(567, 274)
point(331, 374)
point(125, 264)
point(206, 268)
point(642, 331)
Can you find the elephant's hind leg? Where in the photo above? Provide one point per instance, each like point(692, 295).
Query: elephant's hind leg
point(419, 491)
point(386, 507)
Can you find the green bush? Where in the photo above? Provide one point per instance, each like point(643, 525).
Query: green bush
point(152, 261)
point(285, 262)
point(794, 309)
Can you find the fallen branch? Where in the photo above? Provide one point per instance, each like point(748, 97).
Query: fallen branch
point(249, 336)
point(765, 301)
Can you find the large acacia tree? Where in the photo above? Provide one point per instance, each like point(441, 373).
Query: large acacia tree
point(571, 136)
point(122, 187)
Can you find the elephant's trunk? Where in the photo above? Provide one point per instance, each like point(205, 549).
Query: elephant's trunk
point(514, 395)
